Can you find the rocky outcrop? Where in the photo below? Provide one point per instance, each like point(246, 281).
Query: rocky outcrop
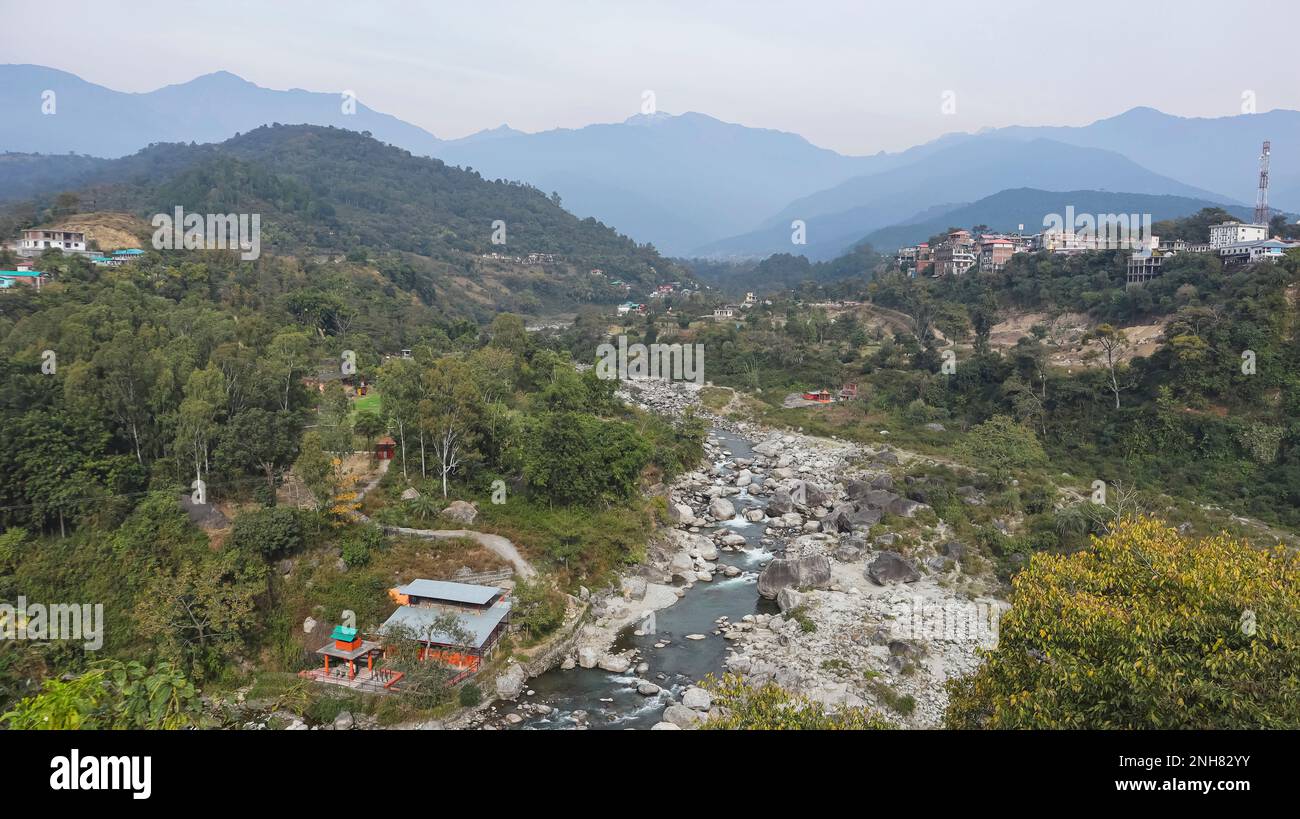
point(809, 572)
point(697, 699)
point(891, 567)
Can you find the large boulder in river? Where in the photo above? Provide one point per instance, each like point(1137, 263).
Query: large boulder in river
point(904, 507)
point(697, 699)
point(615, 663)
point(891, 567)
point(681, 716)
point(511, 681)
point(680, 513)
point(856, 489)
point(809, 572)
point(878, 498)
point(722, 509)
point(780, 503)
point(815, 495)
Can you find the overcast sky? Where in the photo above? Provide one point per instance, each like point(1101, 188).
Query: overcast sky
point(857, 77)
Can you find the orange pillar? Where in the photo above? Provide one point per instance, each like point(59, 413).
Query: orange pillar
point(327, 664)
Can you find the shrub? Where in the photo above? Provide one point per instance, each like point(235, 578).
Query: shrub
point(742, 706)
point(273, 533)
point(470, 695)
point(538, 608)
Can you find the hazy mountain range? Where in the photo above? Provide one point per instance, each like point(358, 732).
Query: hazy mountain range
point(690, 184)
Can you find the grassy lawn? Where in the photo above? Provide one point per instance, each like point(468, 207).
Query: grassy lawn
point(370, 402)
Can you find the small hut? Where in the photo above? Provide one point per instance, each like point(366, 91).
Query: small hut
point(385, 448)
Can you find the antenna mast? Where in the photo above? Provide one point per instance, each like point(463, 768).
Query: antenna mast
point(1261, 200)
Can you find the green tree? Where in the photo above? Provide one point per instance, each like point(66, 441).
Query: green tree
point(448, 413)
point(1145, 629)
point(257, 439)
point(1001, 445)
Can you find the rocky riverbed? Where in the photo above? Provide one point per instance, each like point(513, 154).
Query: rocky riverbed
point(860, 597)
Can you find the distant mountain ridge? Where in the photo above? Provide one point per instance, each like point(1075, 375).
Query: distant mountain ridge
point(678, 181)
point(1219, 154)
point(966, 170)
point(690, 184)
point(91, 119)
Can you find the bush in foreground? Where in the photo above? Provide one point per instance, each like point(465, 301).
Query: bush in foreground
point(1145, 629)
point(740, 706)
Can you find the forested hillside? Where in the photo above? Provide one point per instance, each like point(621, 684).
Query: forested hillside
point(123, 387)
point(328, 192)
point(1188, 386)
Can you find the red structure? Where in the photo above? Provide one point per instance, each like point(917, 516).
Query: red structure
point(820, 396)
point(385, 448)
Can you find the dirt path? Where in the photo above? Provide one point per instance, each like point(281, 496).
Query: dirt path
point(899, 322)
point(500, 546)
point(370, 487)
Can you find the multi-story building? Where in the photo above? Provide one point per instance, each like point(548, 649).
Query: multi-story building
point(924, 259)
point(906, 258)
point(1144, 265)
point(1055, 241)
point(994, 252)
point(38, 240)
point(951, 259)
point(1236, 233)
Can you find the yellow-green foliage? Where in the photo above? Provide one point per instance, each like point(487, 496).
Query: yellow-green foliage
point(739, 706)
point(1146, 629)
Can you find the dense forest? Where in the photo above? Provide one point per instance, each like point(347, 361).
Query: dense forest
point(125, 388)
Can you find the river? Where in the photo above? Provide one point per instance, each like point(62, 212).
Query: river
point(611, 700)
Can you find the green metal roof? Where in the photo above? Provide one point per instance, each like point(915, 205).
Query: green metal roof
point(344, 633)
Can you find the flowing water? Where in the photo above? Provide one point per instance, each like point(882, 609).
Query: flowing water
point(611, 700)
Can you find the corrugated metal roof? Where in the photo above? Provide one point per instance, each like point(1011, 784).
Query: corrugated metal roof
point(419, 619)
point(452, 592)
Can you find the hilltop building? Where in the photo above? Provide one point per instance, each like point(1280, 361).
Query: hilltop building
point(1234, 233)
point(36, 241)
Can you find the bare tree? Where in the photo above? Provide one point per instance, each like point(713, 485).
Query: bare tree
point(1112, 342)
